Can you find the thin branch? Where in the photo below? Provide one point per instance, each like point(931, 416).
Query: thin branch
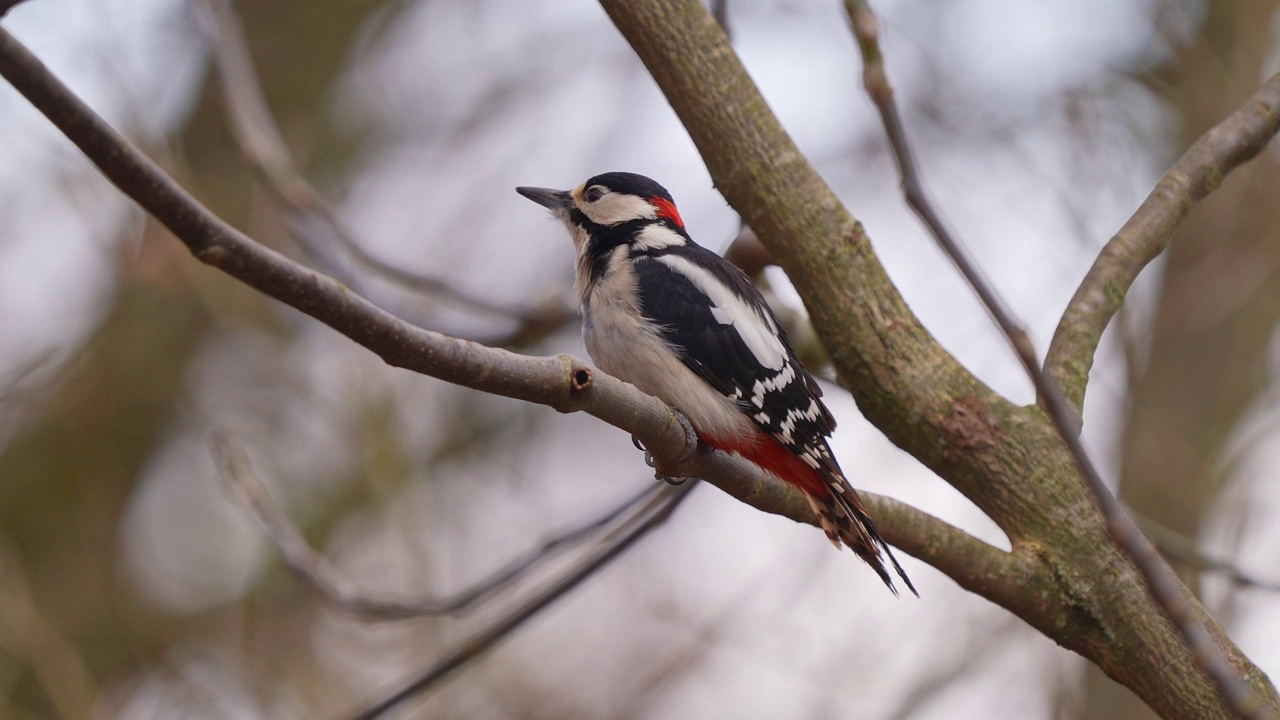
point(658, 511)
point(11, 385)
point(562, 382)
point(318, 573)
point(263, 145)
point(1201, 170)
point(1160, 579)
point(1186, 551)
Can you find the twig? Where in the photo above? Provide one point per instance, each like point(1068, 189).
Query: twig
point(264, 146)
point(11, 384)
point(1160, 579)
point(657, 513)
point(1186, 551)
point(1231, 143)
point(318, 573)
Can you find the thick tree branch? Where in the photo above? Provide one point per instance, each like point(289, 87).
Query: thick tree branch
point(1082, 591)
point(562, 382)
point(1200, 171)
point(1159, 577)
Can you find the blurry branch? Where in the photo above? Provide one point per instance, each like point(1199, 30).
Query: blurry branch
point(653, 515)
point(697, 643)
point(1233, 142)
point(563, 382)
point(1186, 551)
point(973, 659)
point(11, 385)
point(31, 639)
point(1161, 581)
point(748, 253)
point(720, 11)
point(265, 148)
point(318, 573)
point(7, 5)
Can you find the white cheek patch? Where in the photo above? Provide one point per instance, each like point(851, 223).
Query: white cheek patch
point(614, 208)
point(729, 309)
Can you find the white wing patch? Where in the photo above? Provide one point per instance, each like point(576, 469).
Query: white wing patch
point(729, 309)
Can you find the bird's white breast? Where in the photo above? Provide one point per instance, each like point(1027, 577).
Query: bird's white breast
point(625, 344)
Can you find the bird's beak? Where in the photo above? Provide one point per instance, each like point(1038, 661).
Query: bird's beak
point(554, 200)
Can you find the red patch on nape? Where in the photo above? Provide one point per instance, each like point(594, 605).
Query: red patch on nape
point(777, 459)
point(667, 209)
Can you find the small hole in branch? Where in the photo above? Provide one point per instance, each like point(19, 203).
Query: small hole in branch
point(581, 379)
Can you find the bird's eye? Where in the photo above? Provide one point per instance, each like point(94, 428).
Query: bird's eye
point(594, 193)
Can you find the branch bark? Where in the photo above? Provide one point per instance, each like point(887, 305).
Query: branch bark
point(1233, 142)
point(1158, 576)
point(1080, 589)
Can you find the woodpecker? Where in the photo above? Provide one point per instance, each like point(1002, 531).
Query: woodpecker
point(683, 324)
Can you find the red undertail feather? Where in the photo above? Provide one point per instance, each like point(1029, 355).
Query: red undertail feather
point(840, 510)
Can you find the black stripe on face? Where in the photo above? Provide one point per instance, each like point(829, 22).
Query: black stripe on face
point(604, 239)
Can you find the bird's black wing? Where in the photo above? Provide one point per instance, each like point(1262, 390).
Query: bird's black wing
point(778, 394)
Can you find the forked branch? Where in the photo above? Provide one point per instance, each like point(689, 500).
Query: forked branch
point(1160, 579)
point(1231, 143)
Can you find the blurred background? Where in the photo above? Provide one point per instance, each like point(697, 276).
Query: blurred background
point(131, 583)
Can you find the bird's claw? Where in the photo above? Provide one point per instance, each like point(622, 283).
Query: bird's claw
point(648, 458)
point(690, 436)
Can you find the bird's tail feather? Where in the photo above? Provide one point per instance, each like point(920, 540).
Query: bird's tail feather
point(846, 522)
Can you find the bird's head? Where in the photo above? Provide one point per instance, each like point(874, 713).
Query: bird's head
point(613, 207)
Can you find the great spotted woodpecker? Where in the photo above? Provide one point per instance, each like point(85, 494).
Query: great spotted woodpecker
point(683, 324)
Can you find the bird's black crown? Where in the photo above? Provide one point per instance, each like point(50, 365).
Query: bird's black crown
point(631, 184)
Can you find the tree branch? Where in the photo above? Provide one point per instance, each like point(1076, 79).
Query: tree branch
point(1080, 589)
point(1231, 143)
point(1159, 577)
point(263, 145)
point(659, 510)
point(1186, 551)
point(318, 573)
point(561, 382)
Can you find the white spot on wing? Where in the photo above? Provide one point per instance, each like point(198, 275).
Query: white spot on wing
point(733, 310)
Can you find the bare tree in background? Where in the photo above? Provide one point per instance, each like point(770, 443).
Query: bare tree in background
point(1063, 574)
